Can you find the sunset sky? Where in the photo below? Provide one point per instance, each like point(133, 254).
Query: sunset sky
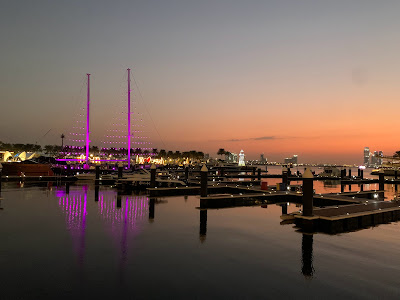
point(315, 78)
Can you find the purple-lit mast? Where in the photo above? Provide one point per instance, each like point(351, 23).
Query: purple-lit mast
point(87, 118)
point(129, 118)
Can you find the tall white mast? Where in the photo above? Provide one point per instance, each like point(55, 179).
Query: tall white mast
point(129, 118)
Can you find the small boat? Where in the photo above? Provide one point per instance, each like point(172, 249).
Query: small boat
point(26, 168)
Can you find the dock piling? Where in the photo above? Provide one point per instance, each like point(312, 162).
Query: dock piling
point(1, 175)
point(285, 177)
point(97, 172)
point(343, 173)
point(203, 181)
point(381, 180)
point(153, 176)
point(186, 173)
point(308, 193)
point(120, 172)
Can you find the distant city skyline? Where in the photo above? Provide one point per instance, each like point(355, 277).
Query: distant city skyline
point(316, 79)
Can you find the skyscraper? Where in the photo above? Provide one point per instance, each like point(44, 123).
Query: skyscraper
point(366, 156)
point(291, 160)
point(241, 159)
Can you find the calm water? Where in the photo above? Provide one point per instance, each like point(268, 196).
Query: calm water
point(55, 245)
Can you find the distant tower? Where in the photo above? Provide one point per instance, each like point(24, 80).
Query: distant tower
point(262, 158)
point(241, 159)
point(380, 160)
point(366, 156)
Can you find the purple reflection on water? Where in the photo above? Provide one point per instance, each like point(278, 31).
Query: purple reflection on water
point(74, 208)
point(133, 209)
point(121, 221)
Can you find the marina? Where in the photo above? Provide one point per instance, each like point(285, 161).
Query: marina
point(199, 150)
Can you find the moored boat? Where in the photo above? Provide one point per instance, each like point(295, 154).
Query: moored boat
point(26, 168)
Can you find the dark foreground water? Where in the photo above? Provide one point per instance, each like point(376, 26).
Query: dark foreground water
point(55, 246)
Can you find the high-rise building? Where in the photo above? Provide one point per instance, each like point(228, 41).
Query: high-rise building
point(374, 159)
point(380, 158)
point(241, 159)
point(366, 156)
point(231, 157)
point(262, 159)
point(291, 160)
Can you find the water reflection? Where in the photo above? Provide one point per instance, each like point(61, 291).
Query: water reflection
point(121, 213)
point(203, 225)
point(73, 206)
point(117, 209)
point(151, 209)
point(307, 267)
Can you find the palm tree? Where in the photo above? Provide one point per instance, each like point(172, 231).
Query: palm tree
point(62, 140)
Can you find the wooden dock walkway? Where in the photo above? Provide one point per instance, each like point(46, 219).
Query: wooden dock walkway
point(350, 217)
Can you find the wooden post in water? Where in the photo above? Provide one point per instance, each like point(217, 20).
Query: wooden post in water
point(343, 173)
point(381, 180)
point(1, 175)
point(259, 174)
point(358, 173)
point(97, 173)
point(362, 174)
point(67, 187)
point(120, 168)
point(203, 181)
point(284, 177)
point(349, 173)
point(186, 173)
point(153, 170)
point(308, 193)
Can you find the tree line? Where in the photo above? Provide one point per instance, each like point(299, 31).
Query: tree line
point(180, 155)
point(55, 150)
